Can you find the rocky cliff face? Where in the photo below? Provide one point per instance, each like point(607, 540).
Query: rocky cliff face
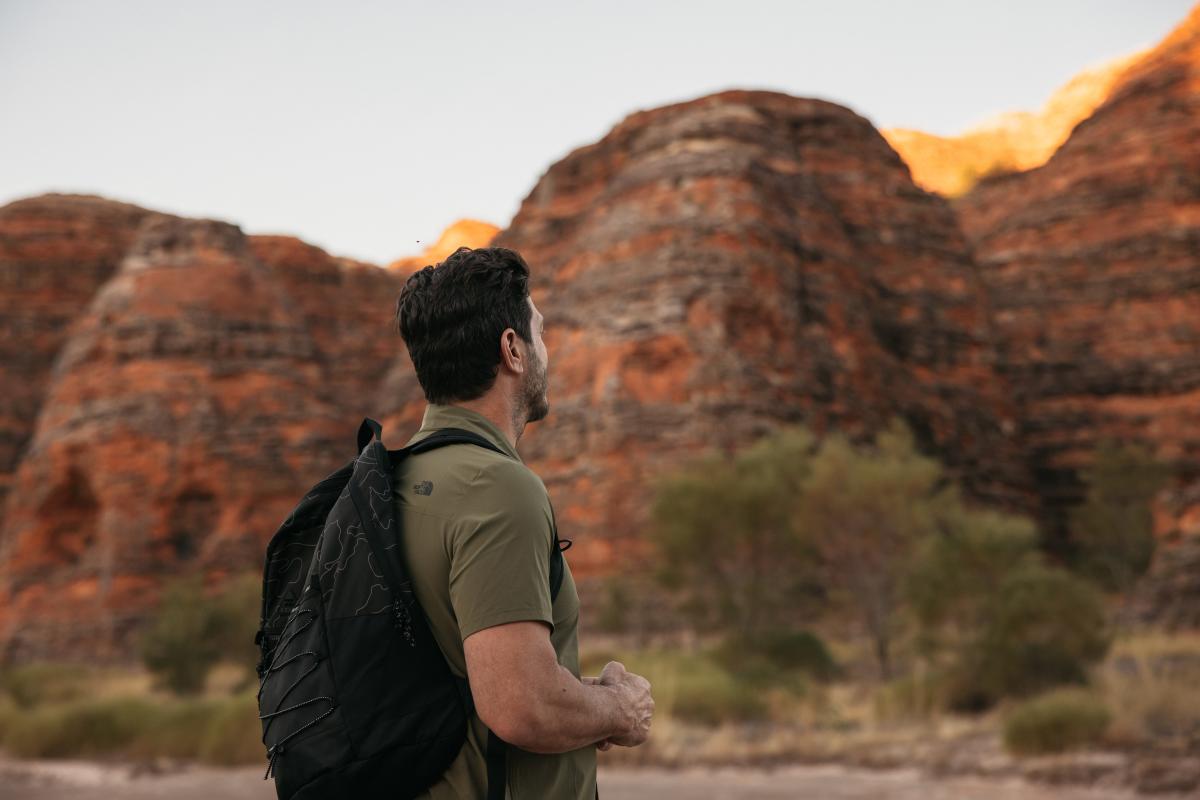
point(1020, 140)
point(1092, 263)
point(710, 271)
point(715, 269)
point(55, 252)
point(182, 418)
point(348, 308)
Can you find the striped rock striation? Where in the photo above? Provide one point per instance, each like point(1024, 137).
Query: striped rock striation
point(55, 252)
point(1016, 140)
point(1092, 264)
point(183, 417)
point(710, 271)
point(348, 307)
point(715, 269)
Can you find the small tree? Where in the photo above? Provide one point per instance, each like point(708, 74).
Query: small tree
point(960, 569)
point(1043, 628)
point(1113, 530)
point(865, 510)
point(1006, 623)
point(183, 642)
point(192, 631)
point(725, 535)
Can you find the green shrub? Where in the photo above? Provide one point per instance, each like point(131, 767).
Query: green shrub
point(182, 644)
point(865, 511)
point(36, 684)
point(238, 608)
point(703, 692)
point(1057, 721)
point(82, 729)
point(233, 734)
point(1112, 532)
point(176, 729)
point(192, 631)
point(727, 544)
point(220, 731)
point(776, 658)
point(1043, 628)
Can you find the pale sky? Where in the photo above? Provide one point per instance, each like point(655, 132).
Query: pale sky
point(363, 127)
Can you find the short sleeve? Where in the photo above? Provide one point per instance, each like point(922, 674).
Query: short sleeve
point(500, 556)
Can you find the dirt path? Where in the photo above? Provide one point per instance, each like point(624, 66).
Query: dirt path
point(79, 780)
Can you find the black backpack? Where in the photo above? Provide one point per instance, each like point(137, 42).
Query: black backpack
point(356, 698)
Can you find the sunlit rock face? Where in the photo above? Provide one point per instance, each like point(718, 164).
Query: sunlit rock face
point(1092, 264)
point(182, 420)
point(715, 269)
point(1018, 140)
point(55, 252)
point(463, 233)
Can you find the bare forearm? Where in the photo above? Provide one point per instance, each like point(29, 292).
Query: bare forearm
point(571, 715)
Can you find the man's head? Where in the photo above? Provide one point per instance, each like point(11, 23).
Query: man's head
point(472, 328)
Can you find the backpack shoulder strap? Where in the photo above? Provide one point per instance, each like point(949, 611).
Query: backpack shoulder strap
point(447, 436)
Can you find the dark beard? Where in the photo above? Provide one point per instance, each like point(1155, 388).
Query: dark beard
point(535, 400)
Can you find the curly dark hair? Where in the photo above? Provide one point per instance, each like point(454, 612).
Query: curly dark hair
point(451, 316)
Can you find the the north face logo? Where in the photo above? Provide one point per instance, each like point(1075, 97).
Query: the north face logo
point(424, 487)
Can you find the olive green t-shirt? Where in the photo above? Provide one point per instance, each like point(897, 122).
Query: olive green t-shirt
point(477, 537)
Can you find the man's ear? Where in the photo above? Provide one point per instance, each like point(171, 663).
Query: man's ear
point(510, 352)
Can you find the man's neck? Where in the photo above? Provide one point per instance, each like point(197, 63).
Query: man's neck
point(500, 413)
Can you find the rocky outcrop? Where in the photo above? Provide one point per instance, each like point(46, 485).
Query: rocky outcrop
point(348, 307)
point(1014, 141)
point(55, 252)
point(1092, 264)
point(715, 269)
point(183, 419)
point(710, 271)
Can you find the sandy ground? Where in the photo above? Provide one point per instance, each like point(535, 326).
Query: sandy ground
point(81, 780)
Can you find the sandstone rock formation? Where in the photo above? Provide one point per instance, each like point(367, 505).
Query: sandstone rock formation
point(349, 309)
point(715, 269)
point(1014, 141)
point(710, 271)
point(1092, 263)
point(55, 252)
point(181, 422)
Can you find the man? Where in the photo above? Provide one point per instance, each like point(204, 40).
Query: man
point(478, 537)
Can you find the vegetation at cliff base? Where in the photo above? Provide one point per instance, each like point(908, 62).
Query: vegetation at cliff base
point(1059, 720)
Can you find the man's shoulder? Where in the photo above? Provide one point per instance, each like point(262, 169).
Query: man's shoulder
point(477, 474)
point(502, 481)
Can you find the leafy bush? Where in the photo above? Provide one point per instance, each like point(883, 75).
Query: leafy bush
point(771, 657)
point(1043, 628)
point(220, 731)
point(233, 734)
point(192, 631)
point(1056, 721)
point(866, 510)
point(727, 540)
point(184, 641)
point(957, 572)
point(1113, 531)
point(700, 691)
point(36, 684)
point(89, 728)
